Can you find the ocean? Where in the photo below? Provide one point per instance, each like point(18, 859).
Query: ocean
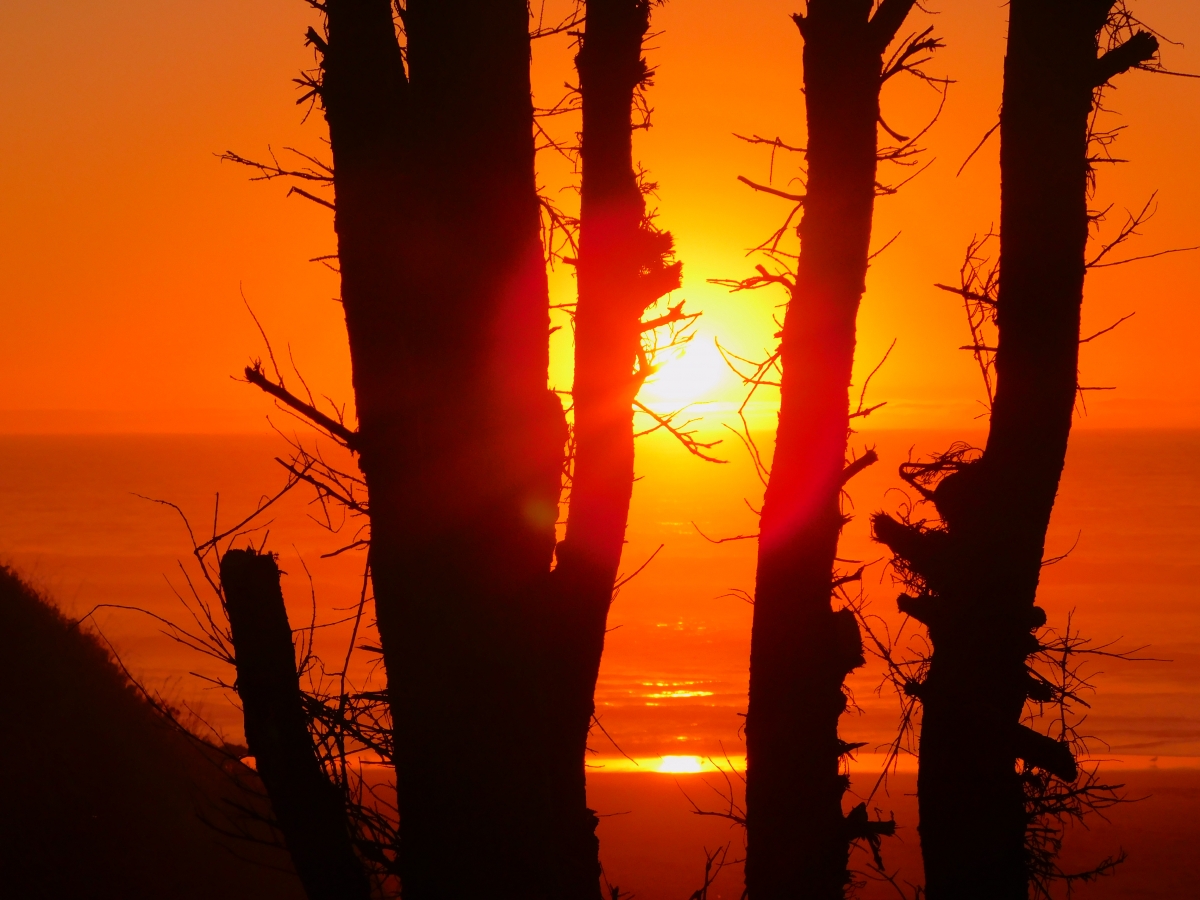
point(75, 521)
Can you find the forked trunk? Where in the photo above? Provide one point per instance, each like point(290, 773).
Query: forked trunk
point(491, 658)
point(979, 571)
point(798, 837)
point(460, 441)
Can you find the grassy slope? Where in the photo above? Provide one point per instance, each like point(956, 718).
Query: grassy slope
point(99, 796)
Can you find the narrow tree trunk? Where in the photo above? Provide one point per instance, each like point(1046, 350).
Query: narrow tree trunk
point(798, 838)
point(308, 809)
point(980, 570)
point(620, 271)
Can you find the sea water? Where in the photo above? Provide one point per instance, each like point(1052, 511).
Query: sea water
point(81, 517)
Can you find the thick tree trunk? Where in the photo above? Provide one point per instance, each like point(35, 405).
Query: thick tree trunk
point(980, 570)
point(308, 808)
point(491, 658)
point(463, 508)
point(460, 441)
point(798, 838)
point(620, 272)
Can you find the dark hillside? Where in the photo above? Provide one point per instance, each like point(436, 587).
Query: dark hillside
point(99, 795)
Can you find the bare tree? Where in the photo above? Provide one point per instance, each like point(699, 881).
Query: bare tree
point(973, 575)
point(623, 267)
point(459, 439)
point(802, 649)
point(491, 650)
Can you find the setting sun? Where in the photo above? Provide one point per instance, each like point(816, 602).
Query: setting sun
point(680, 764)
point(686, 374)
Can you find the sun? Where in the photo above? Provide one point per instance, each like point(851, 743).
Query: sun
point(680, 765)
point(685, 374)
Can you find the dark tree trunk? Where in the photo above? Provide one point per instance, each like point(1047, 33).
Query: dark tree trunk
point(798, 838)
point(979, 571)
point(620, 272)
point(491, 659)
point(464, 496)
point(308, 808)
point(460, 441)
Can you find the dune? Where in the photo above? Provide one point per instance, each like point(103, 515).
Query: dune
point(102, 795)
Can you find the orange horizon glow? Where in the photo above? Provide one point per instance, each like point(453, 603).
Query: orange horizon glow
point(128, 246)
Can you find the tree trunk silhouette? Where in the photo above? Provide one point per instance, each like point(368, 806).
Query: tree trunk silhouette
point(978, 570)
point(491, 656)
point(620, 272)
point(460, 441)
point(308, 808)
point(798, 838)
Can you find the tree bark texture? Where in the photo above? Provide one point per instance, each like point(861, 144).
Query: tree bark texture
point(978, 570)
point(308, 807)
point(798, 837)
point(621, 270)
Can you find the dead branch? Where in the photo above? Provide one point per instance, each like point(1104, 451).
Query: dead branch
point(724, 540)
point(541, 30)
point(1132, 259)
point(254, 375)
point(770, 142)
point(685, 436)
point(861, 411)
point(318, 171)
point(1092, 337)
point(867, 459)
point(313, 197)
point(797, 198)
point(636, 572)
point(978, 147)
point(1139, 49)
point(761, 469)
point(908, 57)
point(675, 314)
point(322, 487)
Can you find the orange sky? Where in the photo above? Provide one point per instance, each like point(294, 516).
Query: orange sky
point(124, 240)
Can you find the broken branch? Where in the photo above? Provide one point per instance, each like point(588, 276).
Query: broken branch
point(255, 376)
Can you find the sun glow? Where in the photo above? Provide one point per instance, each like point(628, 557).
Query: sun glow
point(680, 764)
point(668, 765)
point(685, 374)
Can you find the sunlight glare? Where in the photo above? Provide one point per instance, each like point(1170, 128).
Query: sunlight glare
point(680, 764)
point(686, 374)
